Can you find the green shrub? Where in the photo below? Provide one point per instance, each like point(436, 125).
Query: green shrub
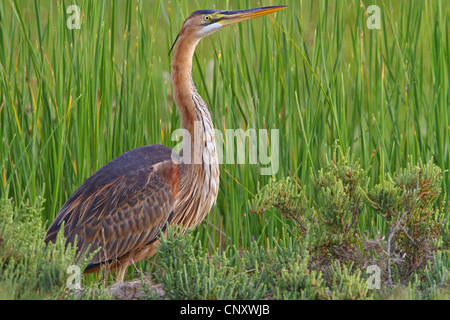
point(347, 283)
point(284, 196)
point(406, 202)
point(28, 268)
point(411, 251)
point(186, 272)
point(297, 282)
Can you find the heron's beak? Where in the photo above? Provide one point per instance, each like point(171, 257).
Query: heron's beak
point(231, 17)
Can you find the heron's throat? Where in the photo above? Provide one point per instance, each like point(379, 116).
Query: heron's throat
point(183, 86)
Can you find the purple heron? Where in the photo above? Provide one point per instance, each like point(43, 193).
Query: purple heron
point(123, 207)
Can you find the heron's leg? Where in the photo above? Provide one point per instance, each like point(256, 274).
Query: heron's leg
point(135, 267)
point(121, 273)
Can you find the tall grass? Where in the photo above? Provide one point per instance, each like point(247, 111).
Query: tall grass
point(72, 100)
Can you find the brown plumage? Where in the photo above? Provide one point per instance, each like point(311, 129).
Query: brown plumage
point(125, 205)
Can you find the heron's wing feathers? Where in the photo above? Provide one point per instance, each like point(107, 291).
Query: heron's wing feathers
point(134, 223)
point(120, 214)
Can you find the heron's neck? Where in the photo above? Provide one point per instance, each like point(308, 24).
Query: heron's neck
point(200, 179)
point(183, 86)
point(195, 116)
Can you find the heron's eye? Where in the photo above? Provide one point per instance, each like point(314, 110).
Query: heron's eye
point(207, 18)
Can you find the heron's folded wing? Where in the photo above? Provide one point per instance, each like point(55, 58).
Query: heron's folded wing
point(123, 215)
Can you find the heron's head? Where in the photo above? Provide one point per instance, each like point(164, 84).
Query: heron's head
point(202, 23)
